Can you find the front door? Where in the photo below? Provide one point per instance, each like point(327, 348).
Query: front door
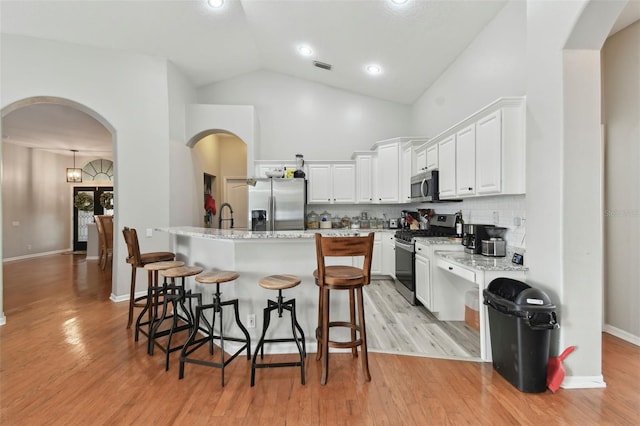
point(81, 218)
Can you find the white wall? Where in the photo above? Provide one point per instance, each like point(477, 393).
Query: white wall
point(127, 93)
point(298, 116)
point(621, 72)
point(491, 67)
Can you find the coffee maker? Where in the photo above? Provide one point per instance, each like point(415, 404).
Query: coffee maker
point(472, 236)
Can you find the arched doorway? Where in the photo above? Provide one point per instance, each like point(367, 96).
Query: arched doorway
point(220, 163)
point(38, 136)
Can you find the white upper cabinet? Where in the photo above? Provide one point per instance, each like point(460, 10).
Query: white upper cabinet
point(364, 176)
point(432, 157)
point(331, 183)
point(447, 166)
point(489, 154)
point(388, 174)
point(421, 159)
point(485, 153)
point(466, 160)
point(406, 168)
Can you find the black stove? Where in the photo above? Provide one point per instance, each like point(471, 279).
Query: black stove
point(435, 231)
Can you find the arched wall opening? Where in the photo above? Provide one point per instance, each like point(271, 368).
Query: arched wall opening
point(36, 201)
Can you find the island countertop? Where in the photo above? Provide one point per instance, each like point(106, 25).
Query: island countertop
point(480, 262)
point(237, 234)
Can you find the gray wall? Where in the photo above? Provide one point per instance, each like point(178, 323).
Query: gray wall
point(37, 202)
point(621, 79)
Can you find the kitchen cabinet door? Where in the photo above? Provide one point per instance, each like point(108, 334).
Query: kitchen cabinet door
point(364, 178)
point(423, 284)
point(405, 174)
point(388, 254)
point(489, 154)
point(344, 183)
point(388, 176)
point(432, 157)
point(447, 166)
point(466, 161)
point(319, 184)
point(421, 159)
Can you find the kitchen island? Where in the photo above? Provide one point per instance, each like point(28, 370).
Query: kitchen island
point(255, 254)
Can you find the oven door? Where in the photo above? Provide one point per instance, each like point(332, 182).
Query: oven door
point(405, 270)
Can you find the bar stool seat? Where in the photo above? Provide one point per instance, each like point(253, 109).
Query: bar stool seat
point(216, 277)
point(154, 292)
point(279, 282)
point(175, 294)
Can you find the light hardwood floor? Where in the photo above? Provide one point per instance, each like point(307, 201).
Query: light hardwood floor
point(394, 326)
point(66, 358)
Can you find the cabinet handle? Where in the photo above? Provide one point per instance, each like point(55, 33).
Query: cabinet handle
point(451, 268)
point(329, 199)
point(470, 189)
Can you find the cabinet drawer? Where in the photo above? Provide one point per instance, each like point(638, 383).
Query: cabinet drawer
point(457, 270)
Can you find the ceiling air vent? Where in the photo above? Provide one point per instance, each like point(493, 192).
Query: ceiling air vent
point(322, 65)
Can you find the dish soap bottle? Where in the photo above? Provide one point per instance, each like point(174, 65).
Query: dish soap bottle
point(459, 224)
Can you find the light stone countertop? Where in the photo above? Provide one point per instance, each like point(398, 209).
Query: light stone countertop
point(235, 234)
point(438, 240)
point(480, 262)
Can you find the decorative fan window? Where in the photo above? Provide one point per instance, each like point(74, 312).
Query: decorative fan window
point(100, 169)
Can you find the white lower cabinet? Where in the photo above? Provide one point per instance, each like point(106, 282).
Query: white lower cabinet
point(377, 259)
point(427, 290)
point(388, 254)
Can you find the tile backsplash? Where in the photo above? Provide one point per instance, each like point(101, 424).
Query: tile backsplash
point(504, 210)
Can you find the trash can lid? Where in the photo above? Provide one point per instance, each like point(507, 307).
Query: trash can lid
point(535, 297)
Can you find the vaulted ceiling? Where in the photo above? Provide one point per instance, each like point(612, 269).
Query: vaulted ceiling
point(413, 42)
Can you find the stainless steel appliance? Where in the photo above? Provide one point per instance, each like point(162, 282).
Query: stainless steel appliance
point(440, 226)
point(472, 236)
point(495, 246)
point(424, 187)
point(278, 204)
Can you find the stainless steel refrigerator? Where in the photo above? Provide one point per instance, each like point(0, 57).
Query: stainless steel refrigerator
point(277, 204)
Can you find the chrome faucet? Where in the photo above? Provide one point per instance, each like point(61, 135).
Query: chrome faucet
point(220, 219)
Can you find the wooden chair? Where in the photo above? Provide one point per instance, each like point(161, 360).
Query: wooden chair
point(342, 277)
point(104, 223)
point(138, 260)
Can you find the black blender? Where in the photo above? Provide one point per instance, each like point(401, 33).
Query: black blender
point(299, 173)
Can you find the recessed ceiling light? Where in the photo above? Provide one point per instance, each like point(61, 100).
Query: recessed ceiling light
point(399, 1)
point(216, 4)
point(373, 69)
point(305, 50)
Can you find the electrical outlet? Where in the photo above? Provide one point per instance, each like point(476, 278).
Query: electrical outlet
point(496, 218)
point(517, 221)
point(251, 321)
point(149, 232)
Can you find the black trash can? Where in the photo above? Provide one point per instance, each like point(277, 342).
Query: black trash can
point(520, 321)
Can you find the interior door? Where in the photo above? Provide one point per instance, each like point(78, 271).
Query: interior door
point(82, 218)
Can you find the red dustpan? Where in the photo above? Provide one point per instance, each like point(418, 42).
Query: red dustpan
point(555, 370)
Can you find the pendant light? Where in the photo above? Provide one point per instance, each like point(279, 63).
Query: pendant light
point(74, 175)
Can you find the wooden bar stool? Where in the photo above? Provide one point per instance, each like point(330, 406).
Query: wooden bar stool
point(176, 295)
point(192, 344)
point(279, 282)
point(138, 260)
point(342, 277)
point(154, 292)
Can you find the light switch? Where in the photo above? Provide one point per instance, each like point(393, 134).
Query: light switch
point(15, 223)
point(149, 232)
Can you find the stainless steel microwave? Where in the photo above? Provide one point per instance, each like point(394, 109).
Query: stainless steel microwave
point(424, 187)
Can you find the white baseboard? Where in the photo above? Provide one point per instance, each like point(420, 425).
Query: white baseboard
point(3, 319)
point(583, 382)
point(621, 334)
point(92, 257)
point(33, 255)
